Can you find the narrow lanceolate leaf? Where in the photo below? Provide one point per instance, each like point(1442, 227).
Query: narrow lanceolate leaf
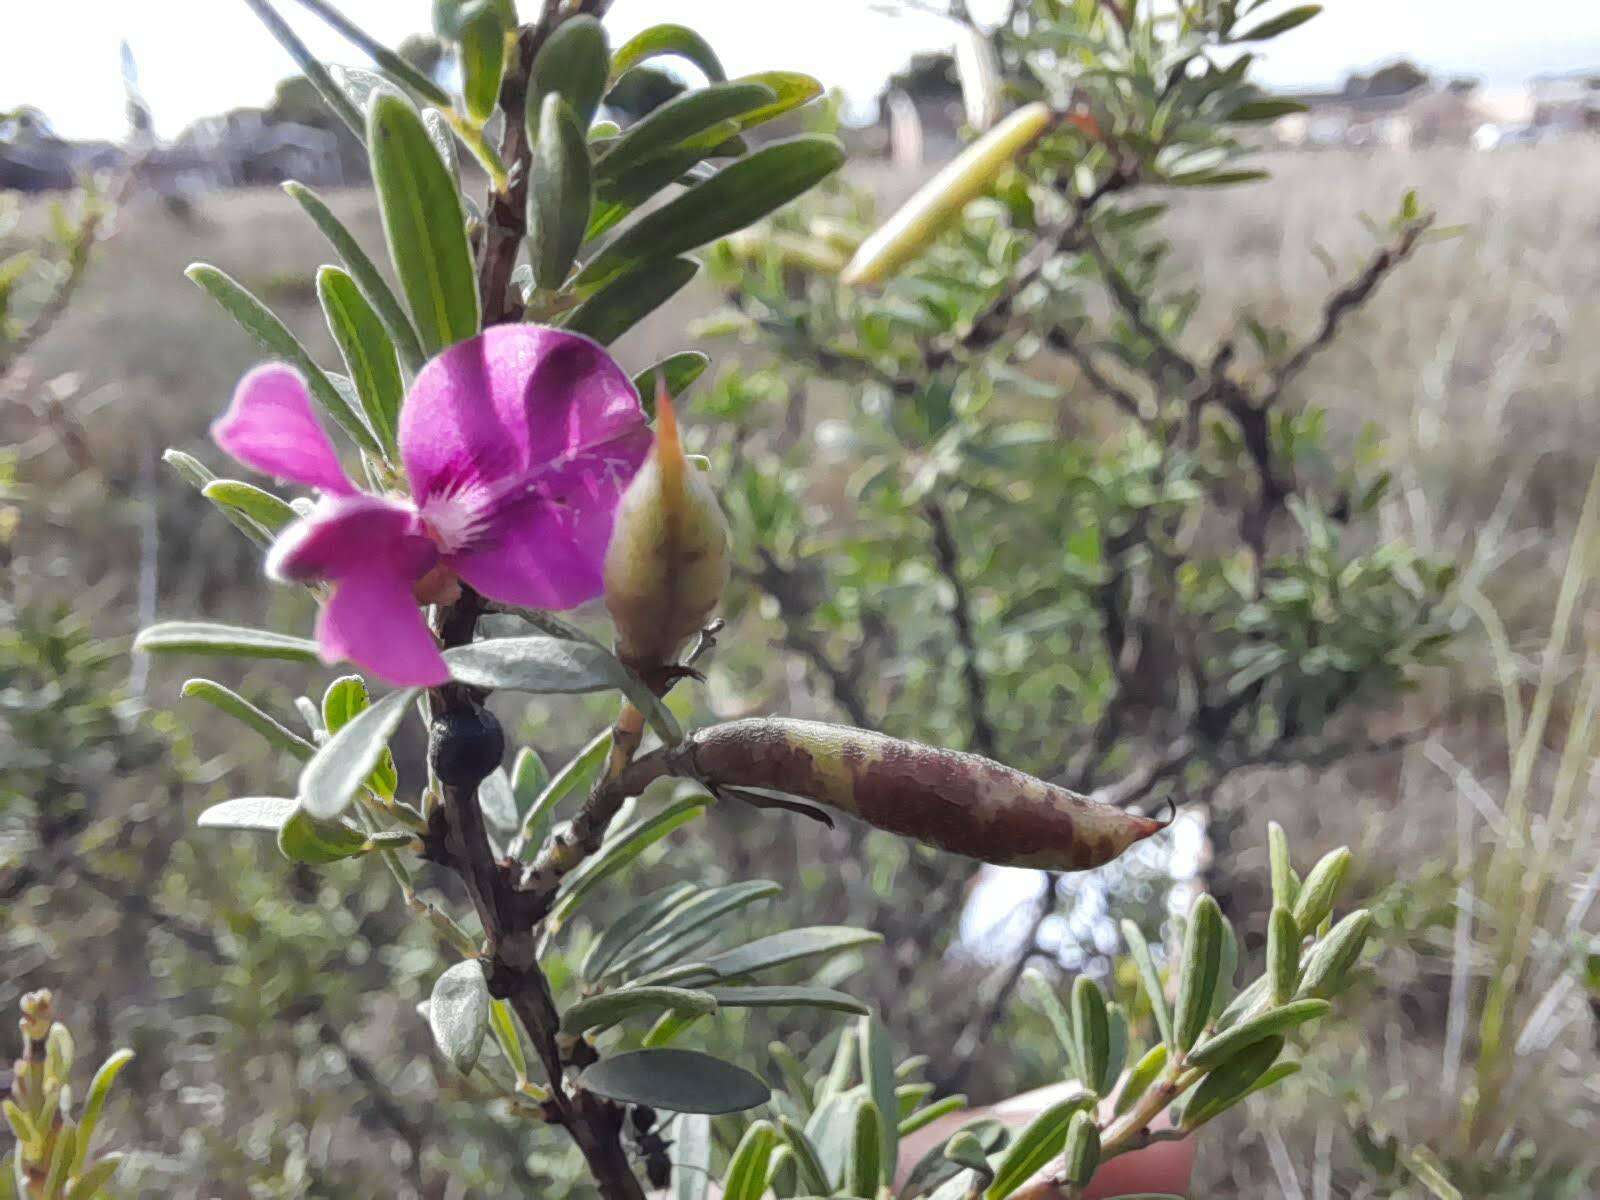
point(641, 918)
point(792, 945)
point(691, 1157)
point(790, 89)
point(1328, 966)
point(689, 925)
point(922, 218)
point(265, 813)
point(1082, 1152)
point(1230, 1083)
point(682, 119)
point(621, 850)
point(1042, 1139)
point(1219, 1049)
point(658, 40)
point(1285, 883)
point(684, 1081)
point(573, 775)
point(746, 1177)
point(877, 1069)
point(1139, 1079)
point(277, 735)
point(866, 1161)
point(560, 193)
point(482, 42)
point(1227, 968)
point(273, 336)
point(608, 1008)
point(333, 777)
point(305, 839)
point(1117, 1057)
point(229, 641)
point(759, 996)
point(1279, 24)
point(424, 224)
point(366, 274)
point(813, 1175)
point(1092, 1029)
point(368, 353)
point(95, 1104)
point(677, 372)
point(669, 1026)
point(345, 700)
point(1321, 889)
point(1283, 954)
point(736, 196)
point(1198, 975)
point(458, 1013)
point(927, 1115)
point(541, 665)
point(623, 303)
point(257, 504)
point(1060, 1019)
point(571, 64)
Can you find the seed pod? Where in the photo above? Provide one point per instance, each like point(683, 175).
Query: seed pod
point(1083, 1148)
point(1320, 889)
point(667, 564)
point(1331, 959)
point(958, 802)
point(1283, 954)
point(920, 219)
point(1197, 978)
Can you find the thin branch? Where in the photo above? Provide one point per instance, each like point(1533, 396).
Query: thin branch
point(947, 558)
point(1059, 339)
point(1132, 306)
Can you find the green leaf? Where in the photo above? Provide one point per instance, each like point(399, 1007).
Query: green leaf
point(691, 1157)
point(746, 1176)
point(865, 1159)
point(1219, 1049)
point(267, 511)
point(1060, 1020)
point(94, 1104)
point(529, 778)
point(641, 918)
point(786, 997)
point(458, 1013)
point(623, 303)
point(305, 839)
point(684, 1081)
point(619, 851)
point(265, 813)
point(560, 193)
point(1092, 1029)
point(236, 706)
point(1328, 966)
point(273, 336)
point(1279, 24)
point(658, 40)
point(572, 65)
point(482, 42)
point(423, 223)
point(1283, 954)
point(677, 371)
point(309, 65)
point(504, 1027)
point(92, 1182)
point(1321, 889)
point(1230, 1083)
point(536, 823)
point(791, 90)
point(813, 1175)
point(1285, 883)
point(1042, 1139)
point(1082, 1152)
point(790, 946)
point(231, 641)
point(344, 762)
point(368, 353)
point(1267, 108)
point(684, 118)
point(877, 1069)
point(541, 665)
point(346, 699)
point(365, 273)
point(1139, 1079)
point(608, 1008)
point(928, 1114)
point(1198, 975)
point(689, 925)
point(738, 195)
point(668, 1026)
point(965, 1150)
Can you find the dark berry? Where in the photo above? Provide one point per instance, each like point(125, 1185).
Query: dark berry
point(465, 747)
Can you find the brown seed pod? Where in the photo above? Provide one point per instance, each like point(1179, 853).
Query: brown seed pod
point(962, 803)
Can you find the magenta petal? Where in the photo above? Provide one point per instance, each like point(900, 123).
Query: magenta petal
point(270, 426)
point(353, 535)
point(507, 404)
point(373, 620)
point(548, 549)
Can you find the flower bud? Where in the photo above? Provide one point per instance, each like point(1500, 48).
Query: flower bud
point(962, 803)
point(667, 563)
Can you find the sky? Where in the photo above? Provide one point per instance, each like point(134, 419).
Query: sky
point(198, 57)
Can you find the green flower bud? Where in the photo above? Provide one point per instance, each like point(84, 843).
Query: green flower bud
point(668, 563)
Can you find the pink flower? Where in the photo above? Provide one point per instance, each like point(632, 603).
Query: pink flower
point(516, 443)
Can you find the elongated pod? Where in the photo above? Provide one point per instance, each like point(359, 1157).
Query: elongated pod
point(962, 803)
